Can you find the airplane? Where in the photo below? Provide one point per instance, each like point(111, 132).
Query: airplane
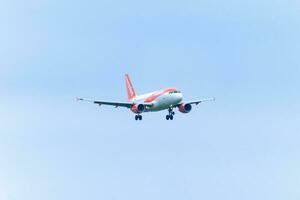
point(165, 99)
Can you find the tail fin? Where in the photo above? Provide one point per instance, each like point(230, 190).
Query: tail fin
point(130, 90)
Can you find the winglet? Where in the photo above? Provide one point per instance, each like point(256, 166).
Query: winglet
point(210, 99)
point(81, 99)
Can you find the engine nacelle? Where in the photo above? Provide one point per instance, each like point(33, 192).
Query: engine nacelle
point(185, 108)
point(138, 108)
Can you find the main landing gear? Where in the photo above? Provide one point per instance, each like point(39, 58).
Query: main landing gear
point(171, 114)
point(138, 117)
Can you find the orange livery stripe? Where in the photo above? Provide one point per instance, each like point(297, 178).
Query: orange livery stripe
point(158, 94)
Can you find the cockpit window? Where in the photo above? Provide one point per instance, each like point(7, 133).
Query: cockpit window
point(174, 92)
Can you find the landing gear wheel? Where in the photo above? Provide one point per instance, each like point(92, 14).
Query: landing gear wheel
point(171, 114)
point(138, 117)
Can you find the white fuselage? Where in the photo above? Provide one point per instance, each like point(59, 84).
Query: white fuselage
point(161, 100)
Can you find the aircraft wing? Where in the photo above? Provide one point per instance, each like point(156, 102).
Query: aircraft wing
point(200, 101)
point(112, 103)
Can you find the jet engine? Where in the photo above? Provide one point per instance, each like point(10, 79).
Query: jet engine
point(185, 108)
point(138, 108)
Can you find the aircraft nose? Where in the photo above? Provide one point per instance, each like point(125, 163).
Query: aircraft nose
point(179, 96)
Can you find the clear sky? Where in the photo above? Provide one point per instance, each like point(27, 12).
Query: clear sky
point(243, 146)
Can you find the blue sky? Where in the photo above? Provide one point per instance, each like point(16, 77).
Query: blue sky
point(243, 146)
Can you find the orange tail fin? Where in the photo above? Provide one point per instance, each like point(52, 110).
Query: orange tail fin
point(130, 90)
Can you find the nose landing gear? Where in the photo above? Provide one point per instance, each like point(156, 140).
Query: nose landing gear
point(171, 114)
point(169, 117)
point(138, 117)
